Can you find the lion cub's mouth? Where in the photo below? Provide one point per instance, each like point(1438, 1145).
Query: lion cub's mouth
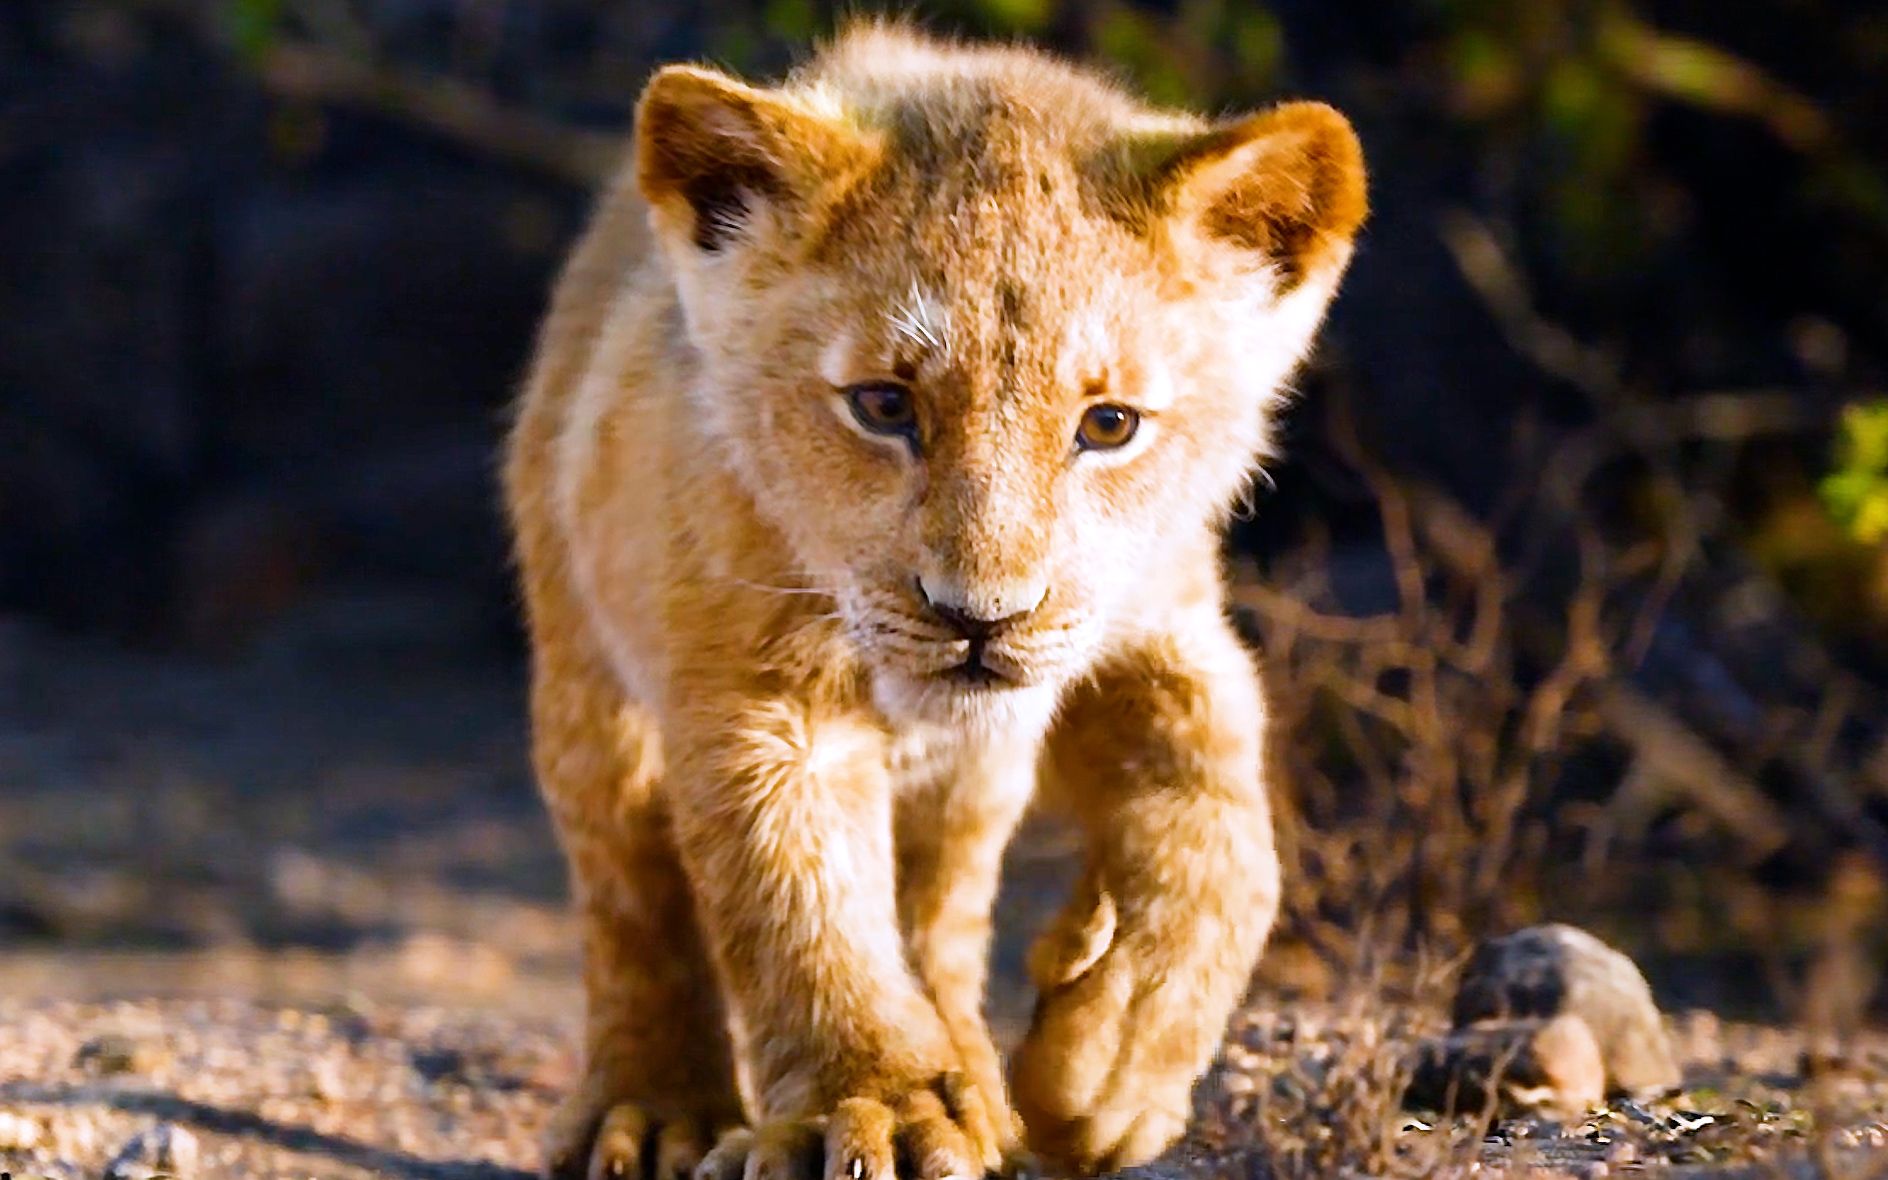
point(975, 672)
point(967, 665)
point(985, 664)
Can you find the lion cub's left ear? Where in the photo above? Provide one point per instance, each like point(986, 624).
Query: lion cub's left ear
point(1287, 183)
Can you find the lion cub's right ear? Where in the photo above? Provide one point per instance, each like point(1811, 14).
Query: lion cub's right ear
point(713, 153)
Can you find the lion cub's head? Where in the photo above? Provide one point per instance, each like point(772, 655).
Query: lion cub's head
point(991, 342)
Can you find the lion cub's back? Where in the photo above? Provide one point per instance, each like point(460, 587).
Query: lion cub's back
point(587, 444)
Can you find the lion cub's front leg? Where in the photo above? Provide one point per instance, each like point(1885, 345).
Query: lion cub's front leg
point(951, 837)
point(783, 816)
point(1159, 758)
point(658, 1081)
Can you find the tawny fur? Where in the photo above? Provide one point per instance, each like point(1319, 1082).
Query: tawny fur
point(784, 819)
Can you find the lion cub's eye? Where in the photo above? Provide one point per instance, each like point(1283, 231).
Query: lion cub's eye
point(883, 408)
point(1106, 427)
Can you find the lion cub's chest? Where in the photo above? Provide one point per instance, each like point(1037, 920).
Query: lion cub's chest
point(922, 756)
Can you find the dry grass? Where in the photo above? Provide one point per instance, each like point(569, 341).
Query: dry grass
point(1478, 757)
point(1414, 747)
point(1485, 753)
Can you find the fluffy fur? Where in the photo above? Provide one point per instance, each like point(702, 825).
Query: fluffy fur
point(784, 816)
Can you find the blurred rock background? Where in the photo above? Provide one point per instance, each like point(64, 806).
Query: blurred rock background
point(1571, 582)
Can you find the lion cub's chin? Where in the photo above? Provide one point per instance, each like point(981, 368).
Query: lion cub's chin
point(993, 708)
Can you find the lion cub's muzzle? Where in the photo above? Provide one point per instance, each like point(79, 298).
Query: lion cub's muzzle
point(966, 646)
point(981, 632)
point(946, 642)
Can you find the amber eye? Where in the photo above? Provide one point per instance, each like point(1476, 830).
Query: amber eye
point(884, 408)
point(1106, 427)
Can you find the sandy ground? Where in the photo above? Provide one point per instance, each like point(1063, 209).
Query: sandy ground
point(300, 915)
point(355, 1088)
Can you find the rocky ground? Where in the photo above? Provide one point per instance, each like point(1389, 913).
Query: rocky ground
point(355, 1088)
point(299, 915)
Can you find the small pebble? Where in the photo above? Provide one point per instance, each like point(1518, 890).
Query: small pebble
point(111, 1053)
point(1544, 971)
point(1551, 1067)
point(166, 1150)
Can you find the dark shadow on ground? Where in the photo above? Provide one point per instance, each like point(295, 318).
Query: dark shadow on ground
point(249, 1125)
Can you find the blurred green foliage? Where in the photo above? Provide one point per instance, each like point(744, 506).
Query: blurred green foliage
point(1856, 492)
point(1574, 87)
point(252, 25)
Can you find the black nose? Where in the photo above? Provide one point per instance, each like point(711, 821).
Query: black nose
point(965, 624)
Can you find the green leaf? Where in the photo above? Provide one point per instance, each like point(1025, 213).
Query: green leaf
point(1856, 491)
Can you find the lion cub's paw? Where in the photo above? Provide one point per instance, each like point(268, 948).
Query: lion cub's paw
point(947, 1131)
point(630, 1141)
point(1103, 1080)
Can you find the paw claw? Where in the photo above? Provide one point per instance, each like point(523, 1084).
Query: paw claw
point(931, 1132)
point(625, 1141)
point(618, 1149)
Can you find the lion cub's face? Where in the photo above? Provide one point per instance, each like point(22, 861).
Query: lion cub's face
point(983, 369)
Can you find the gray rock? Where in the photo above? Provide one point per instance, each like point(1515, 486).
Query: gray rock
point(166, 1150)
point(113, 1053)
point(1550, 1067)
point(1547, 971)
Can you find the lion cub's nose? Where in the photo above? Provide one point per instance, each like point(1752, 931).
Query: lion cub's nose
point(979, 616)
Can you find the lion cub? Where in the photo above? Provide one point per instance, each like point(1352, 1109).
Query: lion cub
point(867, 486)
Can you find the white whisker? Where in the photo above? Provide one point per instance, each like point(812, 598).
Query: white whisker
point(769, 588)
